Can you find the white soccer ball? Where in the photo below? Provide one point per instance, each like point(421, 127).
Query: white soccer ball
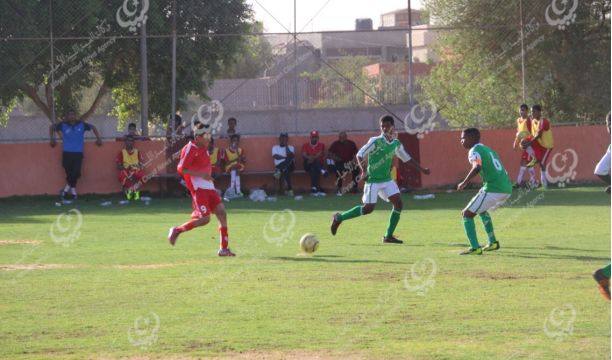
point(309, 243)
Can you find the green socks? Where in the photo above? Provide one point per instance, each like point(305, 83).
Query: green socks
point(357, 211)
point(350, 214)
point(470, 231)
point(488, 225)
point(606, 271)
point(393, 220)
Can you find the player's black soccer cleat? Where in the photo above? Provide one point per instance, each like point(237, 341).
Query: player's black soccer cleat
point(335, 223)
point(603, 284)
point(391, 240)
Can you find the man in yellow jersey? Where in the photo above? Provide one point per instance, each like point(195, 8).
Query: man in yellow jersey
point(523, 130)
point(541, 140)
point(213, 152)
point(234, 163)
point(129, 164)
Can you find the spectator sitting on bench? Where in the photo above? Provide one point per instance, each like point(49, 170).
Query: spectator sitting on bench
point(284, 162)
point(129, 164)
point(213, 152)
point(341, 160)
point(313, 153)
point(234, 159)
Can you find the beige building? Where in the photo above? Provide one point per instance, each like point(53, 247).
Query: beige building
point(423, 42)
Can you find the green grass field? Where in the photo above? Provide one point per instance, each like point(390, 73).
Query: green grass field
point(114, 288)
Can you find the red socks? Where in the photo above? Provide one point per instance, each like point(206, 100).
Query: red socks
point(224, 237)
point(186, 226)
point(222, 232)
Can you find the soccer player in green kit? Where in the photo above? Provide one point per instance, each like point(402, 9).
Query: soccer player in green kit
point(496, 190)
point(380, 151)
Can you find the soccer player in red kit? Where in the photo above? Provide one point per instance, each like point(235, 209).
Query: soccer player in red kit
point(196, 169)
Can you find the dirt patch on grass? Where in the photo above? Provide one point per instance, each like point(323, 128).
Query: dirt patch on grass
point(143, 266)
point(20, 242)
point(17, 267)
point(292, 355)
point(505, 276)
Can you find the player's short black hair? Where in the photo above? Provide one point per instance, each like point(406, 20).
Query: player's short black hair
point(387, 119)
point(283, 134)
point(232, 119)
point(524, 107)
point(234, 136)
point(472, 132)
point(536, 107)
point(131, 125)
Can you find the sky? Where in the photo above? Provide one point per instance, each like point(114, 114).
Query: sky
point(323, 15)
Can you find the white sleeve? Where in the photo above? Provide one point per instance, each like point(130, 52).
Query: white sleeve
point(402, 154)
point(367, 148)
point(275, 150)
point(474, 157)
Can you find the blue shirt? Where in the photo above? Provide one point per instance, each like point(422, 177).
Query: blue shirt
point(74, 135)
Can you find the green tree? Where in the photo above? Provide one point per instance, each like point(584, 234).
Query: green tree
point(109, 59)
point(478, 81)
point(338, 91)
point(253, 58)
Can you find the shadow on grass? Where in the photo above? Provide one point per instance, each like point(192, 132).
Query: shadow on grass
point(554, 256)
point(15, 208)
point(323, 259)
point(554, 248)
point(379, 243)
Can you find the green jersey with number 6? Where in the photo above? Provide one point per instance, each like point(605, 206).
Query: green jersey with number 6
point(381, 152)
point(494, 177)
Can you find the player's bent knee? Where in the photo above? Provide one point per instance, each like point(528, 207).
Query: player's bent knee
point(367, 209)
point(203, 221)
point(467, 214)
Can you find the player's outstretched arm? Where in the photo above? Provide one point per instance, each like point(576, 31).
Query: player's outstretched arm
point(473, 172)
point(418, 166)
point(98, 138)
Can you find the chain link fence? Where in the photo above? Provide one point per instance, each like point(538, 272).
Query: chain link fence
point(91, 56)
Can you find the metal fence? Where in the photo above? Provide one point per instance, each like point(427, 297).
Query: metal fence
point(125, 61)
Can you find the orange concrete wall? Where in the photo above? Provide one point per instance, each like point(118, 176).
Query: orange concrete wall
point(443, 153)
point(35, 169)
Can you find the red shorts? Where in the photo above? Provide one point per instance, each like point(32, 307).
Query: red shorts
point(541, 153)
point(204, 202)
point(525, 156)
point(126, 182)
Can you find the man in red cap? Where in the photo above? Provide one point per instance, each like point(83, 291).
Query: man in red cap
point(313, 154)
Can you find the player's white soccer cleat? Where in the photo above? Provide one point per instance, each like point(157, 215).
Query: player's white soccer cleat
point(173, 235)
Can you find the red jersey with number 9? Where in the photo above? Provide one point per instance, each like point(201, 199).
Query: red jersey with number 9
point(195, 159)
